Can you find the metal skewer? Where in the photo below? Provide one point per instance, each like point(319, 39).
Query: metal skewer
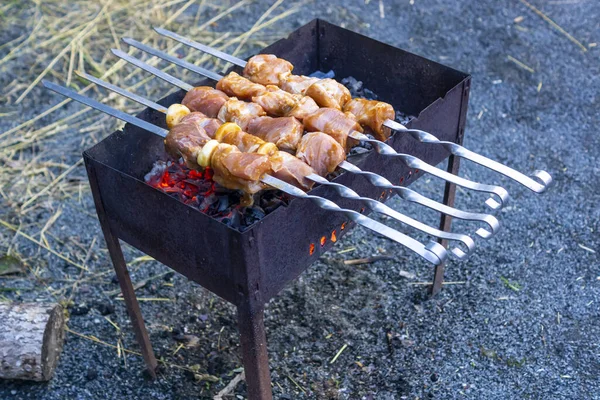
point(341, 189)
point(538, 182)
point(375, 179)
point(380, 147)
point(432, 252)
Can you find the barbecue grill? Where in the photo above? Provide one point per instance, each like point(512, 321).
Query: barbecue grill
point(248, 268)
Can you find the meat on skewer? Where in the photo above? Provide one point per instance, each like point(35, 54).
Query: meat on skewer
point(285, 132)
point(267, 69)
point(335, 123)
point(240, 112)
point(275, 101)
point(235, 169)
point(231, 168)
point(185, 139)
point(283, 166)
point(321, 152)
point(370, 114)
point(280, 103)
point(236, 85)
point(318, 150)
point(205, 99)
point(297, 84)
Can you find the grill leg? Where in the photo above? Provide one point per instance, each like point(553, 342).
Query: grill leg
point(254, 352)
point(116, 255)
point(133, 307)
point(445, 223)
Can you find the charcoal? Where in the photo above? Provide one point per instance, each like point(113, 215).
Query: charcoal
point(353, 85)
point(323, 75)
point(222, 203)
point(153, 177)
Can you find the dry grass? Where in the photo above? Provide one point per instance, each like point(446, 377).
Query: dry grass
point(40, 165)
point(43, 184)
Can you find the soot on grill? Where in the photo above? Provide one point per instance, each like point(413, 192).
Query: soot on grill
point(198, 190)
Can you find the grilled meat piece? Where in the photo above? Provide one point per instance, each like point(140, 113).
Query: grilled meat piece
point(296, 84)
point(305, 106)
point(372, 114)
point(294, 171)
point(279, 103)
point(329, 93)
point(205, 99)
point(210, 125)
point(236, 170)
point(267, 69)
point(321, 152)
point(276, 102)
point(334, 123)
point(186, 140)
point(240, 87)
point(239, 112)
point(285, 132)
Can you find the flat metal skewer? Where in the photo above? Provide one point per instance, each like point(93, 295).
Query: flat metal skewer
point(538, 182)
point(432, 252)
point(341, 189)
point(375, 179)
point(380, 147)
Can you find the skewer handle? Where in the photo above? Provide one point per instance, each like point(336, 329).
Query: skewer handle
point(412, 196)
point(538, 182)
point(414, 162)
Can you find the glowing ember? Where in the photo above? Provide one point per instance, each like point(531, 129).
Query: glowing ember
point(198, 190)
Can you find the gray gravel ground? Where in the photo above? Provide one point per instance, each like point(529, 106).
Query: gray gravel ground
point(479, 339)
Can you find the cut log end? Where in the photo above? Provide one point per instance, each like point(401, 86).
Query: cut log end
point(31, 340)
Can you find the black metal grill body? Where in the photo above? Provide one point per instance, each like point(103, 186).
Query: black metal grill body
point(249, 268)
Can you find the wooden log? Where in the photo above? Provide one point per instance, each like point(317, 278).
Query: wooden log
point(31, 340)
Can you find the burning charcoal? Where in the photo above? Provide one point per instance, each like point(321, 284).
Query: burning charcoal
point(208, 201)
point(233, 218)
point(154, 177)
